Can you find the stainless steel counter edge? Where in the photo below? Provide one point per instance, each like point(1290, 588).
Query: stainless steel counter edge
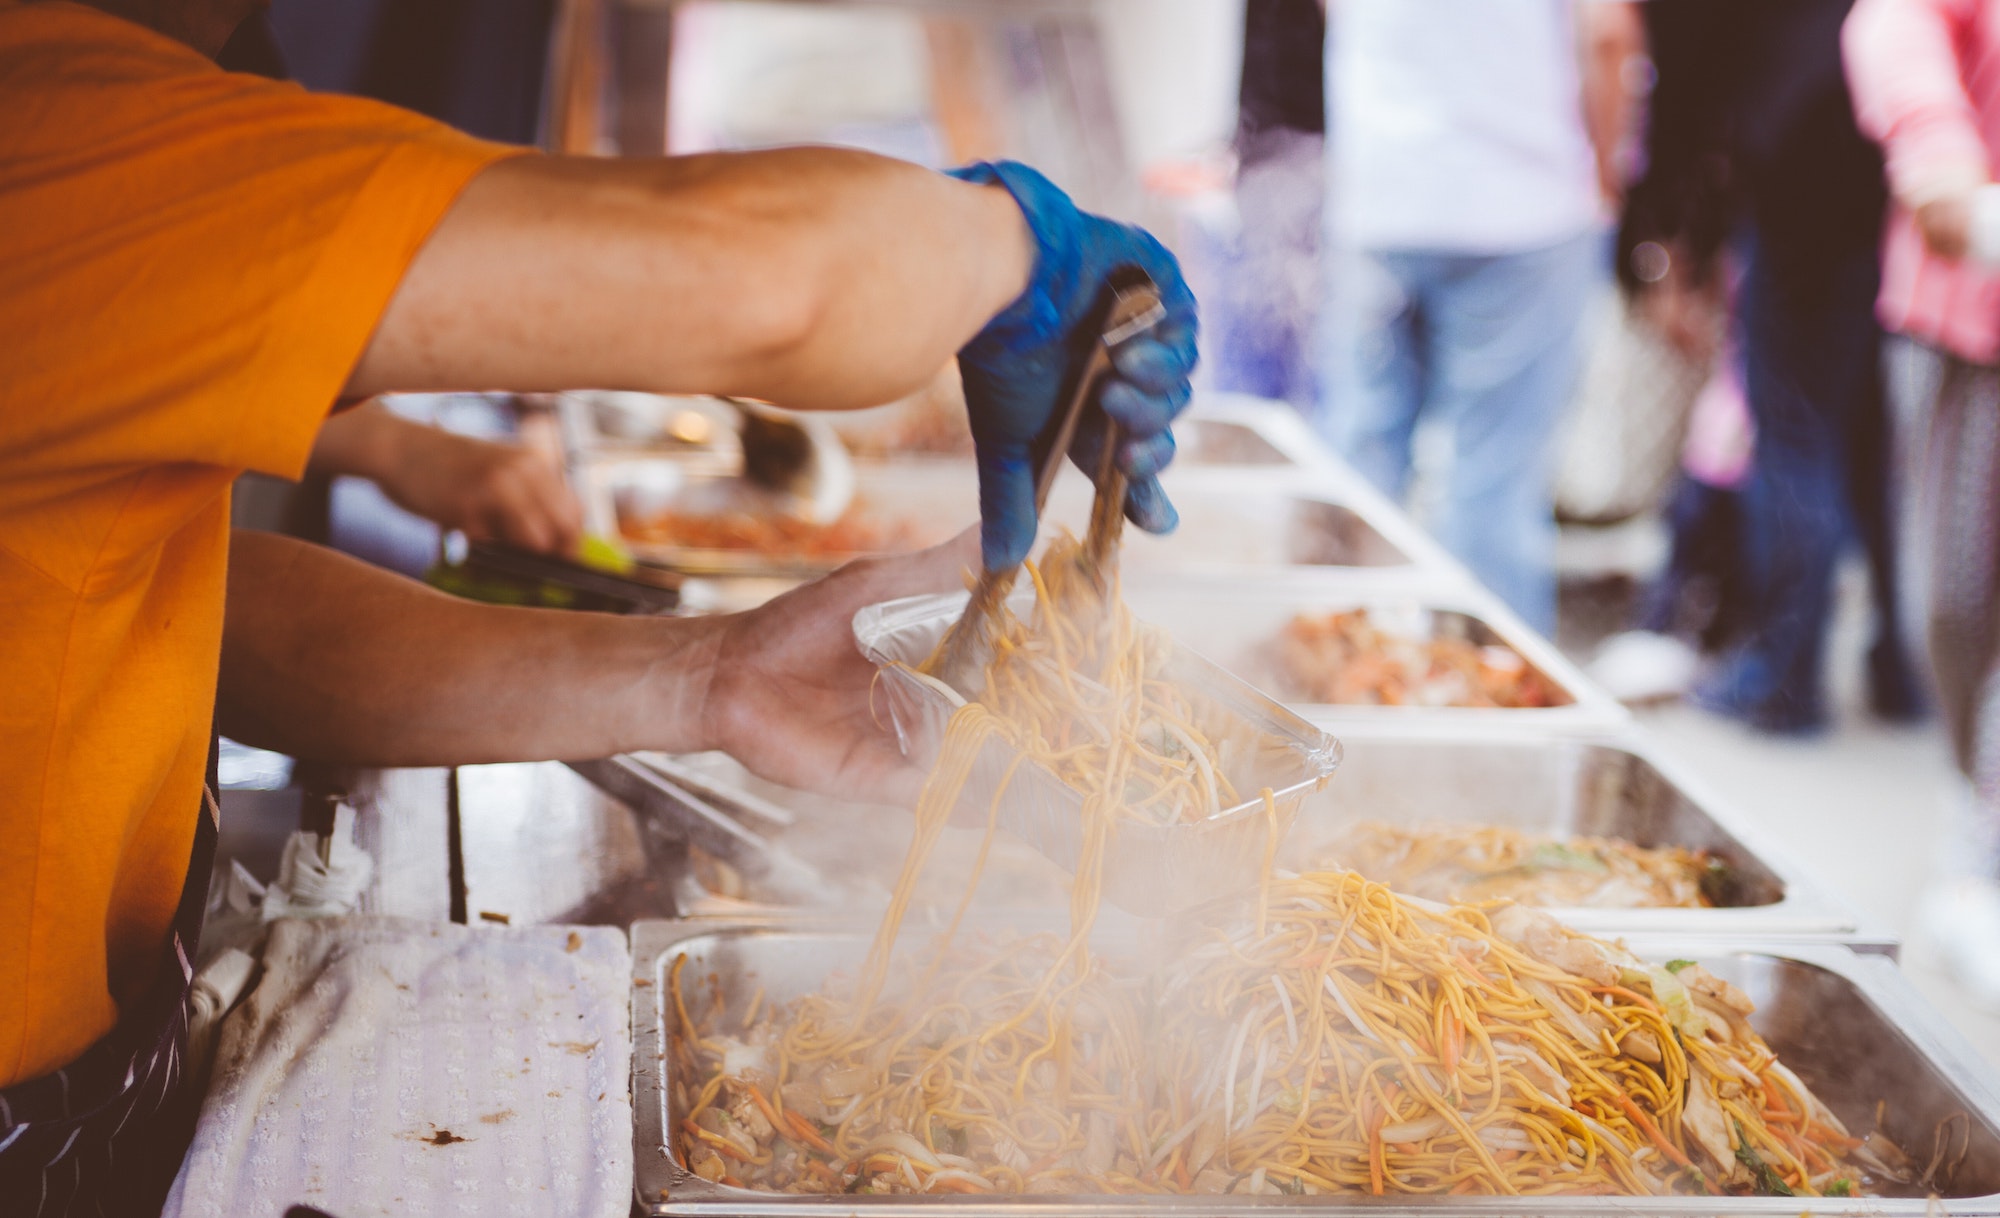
point(1876, 978)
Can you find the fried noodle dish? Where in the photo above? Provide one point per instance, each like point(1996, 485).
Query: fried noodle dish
point(1322, 1034)
point(1474, 863)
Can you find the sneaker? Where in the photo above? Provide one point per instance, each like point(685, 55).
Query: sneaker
point(1961, 919)
point(1641, 666)
point(1742, 688)
point(1895, 691)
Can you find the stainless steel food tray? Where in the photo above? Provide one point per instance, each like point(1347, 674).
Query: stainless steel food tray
point(1561, 785)
point(1849, 1024)
point(911, 506)
point(1609, 786)
point(1234, 621)
point(1237, 520)
point(1228, 429)
point(1230, 519)
point(1218, 429)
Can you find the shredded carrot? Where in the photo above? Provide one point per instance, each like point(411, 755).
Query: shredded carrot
point(1454, 1036)
point(720, 1143)
point(1376, 1168)
point(1646, 1126)
point(1631, 996)
point(808, 1134)
point(827, 1173)
point(1827, 1137)
point(764, 1106)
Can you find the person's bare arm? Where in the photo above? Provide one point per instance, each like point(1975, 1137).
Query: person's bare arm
point(490, 491)
point(1613, 36)
point(328, 658)
point(816, 278)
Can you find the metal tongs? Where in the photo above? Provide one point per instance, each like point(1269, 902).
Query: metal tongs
point(1131, 307)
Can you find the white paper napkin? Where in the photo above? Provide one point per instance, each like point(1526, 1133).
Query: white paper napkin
point(391, 1067)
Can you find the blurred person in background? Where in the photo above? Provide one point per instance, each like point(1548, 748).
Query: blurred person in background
point(1469, 150)
point(1804, 197)
point(1263, 314)
point(1926, 82)
point(1761, 199)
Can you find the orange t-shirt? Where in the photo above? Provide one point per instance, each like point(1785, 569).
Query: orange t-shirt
point(191, 262)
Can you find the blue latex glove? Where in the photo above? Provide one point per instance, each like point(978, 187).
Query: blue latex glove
point(1016, 369)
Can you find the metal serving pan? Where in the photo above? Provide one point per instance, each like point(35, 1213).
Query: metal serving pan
point(1562, 785)
point(1236, 429)
point(1235, 622)
point(1850, 1025)
point(892, 510)
point(1610, 786)
point(1230, 519)
point(1224, 429)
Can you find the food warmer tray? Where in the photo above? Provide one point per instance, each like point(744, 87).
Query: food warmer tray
point(1568, 785)
point(1559, 784)
point(1218, 429)
point(1233, 622)
point(1850, 1024)
point(1231, 520)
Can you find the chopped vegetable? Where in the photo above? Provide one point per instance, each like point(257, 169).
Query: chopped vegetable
point(1768, 1182)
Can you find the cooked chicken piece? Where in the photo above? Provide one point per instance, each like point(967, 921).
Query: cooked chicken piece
point(1546, 1078)
point(709, 1165)
point(1642, 1045)
point(1207, 1140)
point(1100, 1144)
point(746, 1111)
point(1705, 1123)
point(1214, 1180)
point(1544, 938)
point(837, 1086)
point(1708, 985)
point(803, 1097)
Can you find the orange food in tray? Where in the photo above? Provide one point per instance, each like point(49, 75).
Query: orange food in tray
point(856, 532)
point(1346, 658)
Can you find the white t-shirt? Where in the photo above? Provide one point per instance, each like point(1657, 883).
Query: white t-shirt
point(1456, 125)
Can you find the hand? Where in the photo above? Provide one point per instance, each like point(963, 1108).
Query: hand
point(792, 697)
point(1014, 369)
point(1946, 224)
point(1691, 318)
point(492, 492)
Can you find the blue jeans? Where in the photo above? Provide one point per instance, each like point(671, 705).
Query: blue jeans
point(1818, 480)
point(1489, 344)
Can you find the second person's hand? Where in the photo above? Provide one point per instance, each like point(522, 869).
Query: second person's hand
point(487, 490)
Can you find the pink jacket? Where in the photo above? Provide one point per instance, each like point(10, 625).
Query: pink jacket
point(1925, 75)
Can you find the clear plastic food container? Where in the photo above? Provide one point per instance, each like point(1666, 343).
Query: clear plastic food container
point(1148, 869)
